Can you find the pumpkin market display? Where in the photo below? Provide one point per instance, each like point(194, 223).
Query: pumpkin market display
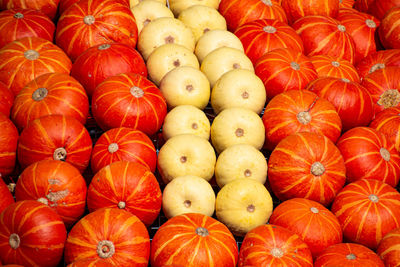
point(191, 133)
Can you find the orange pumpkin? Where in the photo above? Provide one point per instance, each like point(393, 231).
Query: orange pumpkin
point(47, 7)
point(6, 198)
point(378, 60)
point(296, 9)
point(388, 123)
point(328, 66)
point(388, 248)
point(8, 145)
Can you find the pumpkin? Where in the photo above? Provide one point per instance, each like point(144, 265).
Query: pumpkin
point(129, 100)
point(25, 59)
point(346, 4)
point(90, 263)
point(102, 61)
point(348, 255)
point(55, 137)
point(31, 234)
point(328, 66)
point(50, 93)
point(111, 236)
point(331, 38)
point(379, 8)
point(388, 248)
point(299, 111)
point(367, 210)
point(388, 123)
point(57, 184)
point(6, 99)
point(272, 245)
point(263, 35)
point(378, 60)
point(352, 101)
point(8, 145)
point(389, 32)
point(123, 144)
point(362, 5)
point(47, 7)
point(284, 69)
point(193, 239)
point(88, 23)
point(129, 186)
point(6, 197)
point(315, 224)
point(296, 9)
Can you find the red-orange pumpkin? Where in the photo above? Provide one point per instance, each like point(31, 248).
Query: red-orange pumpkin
point(327, 66)
point(6, 99)
point(378, 60)
point(90, 263)
point(47, 7)
point(272, 245)
point(129, 100)
point(50, 93)
point(8, 145)
point(57, 184)
point(111, 235)
point(6, 197)
point(296, 9)
point(129, 186)
point(388, 248)
point(362, 5)
point(348, 255)
point(346, 4)
point(123, 144)
point(367, 210)
point(284, 69)
point(31, 234)
point(388, 123)
point(65, 4)
point(389, 31)
point(379, 8)
point(314, 223)
point(25, 59)
point(193, 239)
point(92, 22)
point(55, 137)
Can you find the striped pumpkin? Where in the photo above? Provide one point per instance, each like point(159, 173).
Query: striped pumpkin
point(362, 5)
point(379, 8)
point(367, 210)
point(6, 99)
point(47, 7)
point(90, 263)
point(8, 145)
point(129, 100)
point(92, 22)
point(129, 186)
point(123, 144)
point(50, 93)
point(55, 137)
point(388, 248)
point(328, 66)
point(272, 245)
point(193, 239)
point(378, 60)
point(296, 9)
point(25, 59)
point(57, 184)
point(346, 4)
point(31, 234)
point(284, 69)
point(388, 123)
point(315, 224)
point(6, 197)
point(109, 235)
point(389, 32)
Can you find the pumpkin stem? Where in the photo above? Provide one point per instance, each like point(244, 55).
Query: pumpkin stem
point(373, 198)
point(183, 159)
point(304, 117)
point(60, 154)
point(247, 173)
point(336, 64)
point(351, 256)
point(18, 15)
point(376, 67)
point(137, 92)
point(239, 132)
point(105, 249)
point(39, 94)
point(31, 54)
point(345, 80)
point(277, 252)
point(14, 241)
point(317, 168)
point(121, 205)
point(389, 98)
point(89, 20)
point(385, 153)
point(187, 203)
point(314, 210)
point(341, 28)
point(251, 208)
point(201, 231)
point(11, 186)
point(269, 29)
point(370, 23)
point(267, 2)
point(113, 147)
point(104, 46)
point(295, 65)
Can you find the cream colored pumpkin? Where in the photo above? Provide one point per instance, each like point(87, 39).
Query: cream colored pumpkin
point(242, 205)
point(149, 10)
point(133, 3)
point(177, 6)
point(188, 194)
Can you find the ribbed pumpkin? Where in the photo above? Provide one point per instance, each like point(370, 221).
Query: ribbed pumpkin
point(315, 224)
point(55, 137)
point(8, 145)
point(362, 5)
point(31, 234)
point(193, 239)
point(102, 61)
point(25, 59)
point(129, 186)
point(6, 99)
point(327, 66)
point(388, 248)
point(50, 93)
point(6, 197)
point(90, 263)
point(296, 9)
point(272, 245)
point(299, 111)
point(47, 7)
point(388, 123)
point(348, 255)
point(367, 210)
point(379, 8)
point(19, 22)
point(123, 144)
point(57, 184)
point(378, 60)
point(346, 4)
point(111, 235)
point(331, 38)
point(92, 22)
point(284, 69)
point(263, 35)
point(389, 32)
point(129, 100)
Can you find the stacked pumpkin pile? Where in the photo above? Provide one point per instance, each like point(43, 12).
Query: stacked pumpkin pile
point(273, 125)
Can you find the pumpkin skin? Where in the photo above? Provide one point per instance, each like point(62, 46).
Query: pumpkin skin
point(389, 32)
point(88, 23)
point(90, 263)
point(263, 35)
point(327, 66)
point(299, 111)
point(362, 5)
point(6, 197)
point(126, 185)
point(296, 9)
point(315, 224)
point(193, 239)
point(367, 210)
point(123, 144)
point(330, 38)
point(388, 123)
point(284, 69)
point(109, 235)
point(129, 100)
point(19, 23)
point(105, 60)
point(55, 137)
point(379, 8)
point(346, 4)
point(272, 245)
point(47, 7)
point(6, 99)
point(25, 59)
point(31, 234)
point(388, 248)
point(348, 255)
point(8, 145)
point(378, 60)
point(50, 93)
point(57, 184)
